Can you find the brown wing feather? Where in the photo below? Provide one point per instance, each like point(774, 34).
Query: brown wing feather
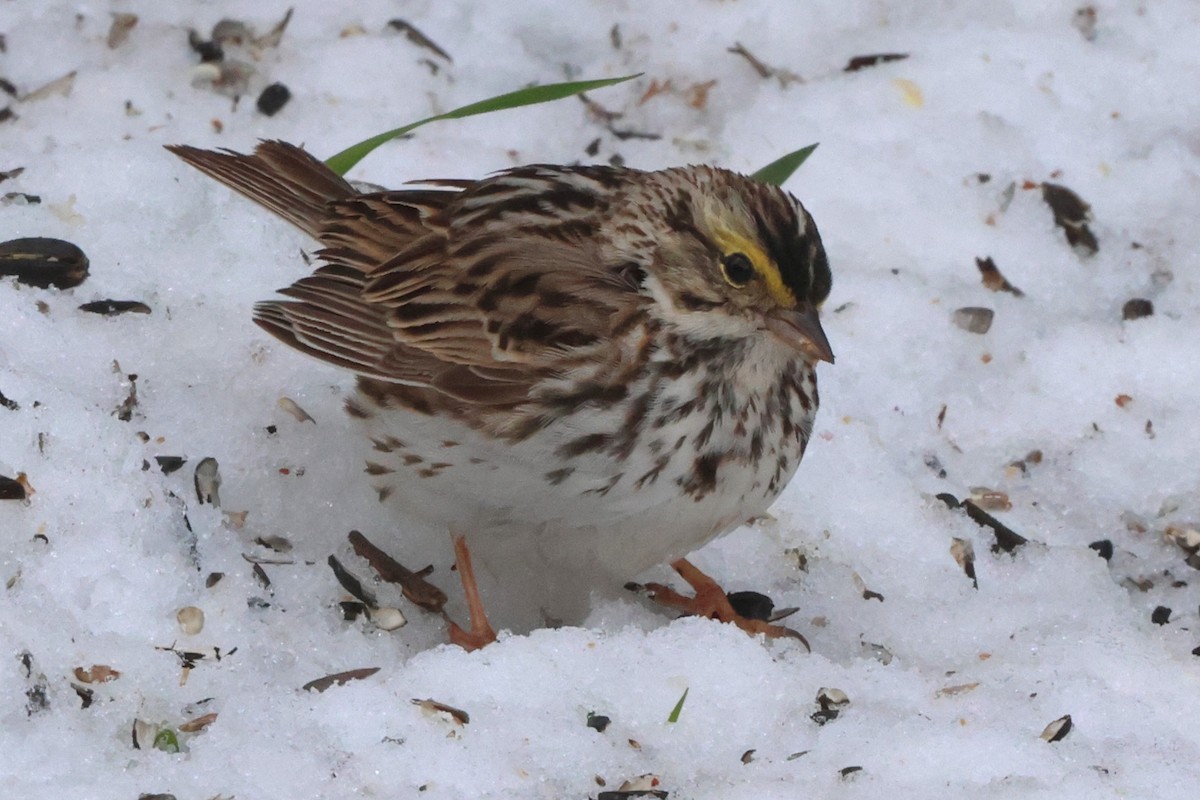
point(470, 291)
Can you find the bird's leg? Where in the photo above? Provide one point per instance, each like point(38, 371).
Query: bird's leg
point(481, 632)
point(711, 601)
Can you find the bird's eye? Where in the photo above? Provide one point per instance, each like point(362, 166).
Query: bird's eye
point(737, 269)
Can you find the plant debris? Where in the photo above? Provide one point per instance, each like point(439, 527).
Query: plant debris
point(1007, 539)
point(412, 584)
point(784, 76)
point(416, 37)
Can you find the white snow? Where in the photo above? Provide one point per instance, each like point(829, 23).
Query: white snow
point(949, 686)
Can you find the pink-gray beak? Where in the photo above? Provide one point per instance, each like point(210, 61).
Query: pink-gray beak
point(800, 328)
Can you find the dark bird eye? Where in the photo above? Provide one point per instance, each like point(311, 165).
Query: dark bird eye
point(737, 269)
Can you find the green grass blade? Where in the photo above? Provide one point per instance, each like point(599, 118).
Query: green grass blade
point(779, 170)
point(532, 95)
point(678, 709)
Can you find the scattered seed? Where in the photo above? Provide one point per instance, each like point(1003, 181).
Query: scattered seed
point(169, 464)
point(1187, 537)
point(351, 584)
point(260, 575)
point(144, 733)
point(830, 703)
point(339, 678)
point(97, 673)
point(878, 652)
point(352, 609)
point(641, 786)
point(273, 98)
point(11, 489)
point(213, 579)
point(1137, 308)
point(992, 278)
point(1071, 214)
point(19, 199)
point(124, 412)
point(207, 480)
point(208, 50)
point(1057, 730)
point(292, 407)
point(198, 723)
point(990, 499)
point(190, 619)
point(431, 706)
point(111, 308)
point(597, 722)
point(964, 555)
point(974, 319)
point(229, 78)
point(1103, 548)
point(59, 86)
point(119, 30)
point(43, 262)
point(748, 756)
point(388, 618)
point(86, 695)
point(862, 62)
point(951, 691)
point(847, 773)
point(752, 605)
point(277, 543)
point(1161, 615)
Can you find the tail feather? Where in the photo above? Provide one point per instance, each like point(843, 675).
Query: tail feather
point(278, 176)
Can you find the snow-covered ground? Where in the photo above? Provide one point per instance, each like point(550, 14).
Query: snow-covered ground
point(925, 165)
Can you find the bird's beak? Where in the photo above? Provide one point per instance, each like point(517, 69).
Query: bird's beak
point(800, 328)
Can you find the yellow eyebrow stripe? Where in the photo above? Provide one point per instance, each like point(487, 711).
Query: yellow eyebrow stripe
point(730, 242)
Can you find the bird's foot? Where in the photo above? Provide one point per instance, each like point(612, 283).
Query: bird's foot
point(711, 601)
point(481, 633)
